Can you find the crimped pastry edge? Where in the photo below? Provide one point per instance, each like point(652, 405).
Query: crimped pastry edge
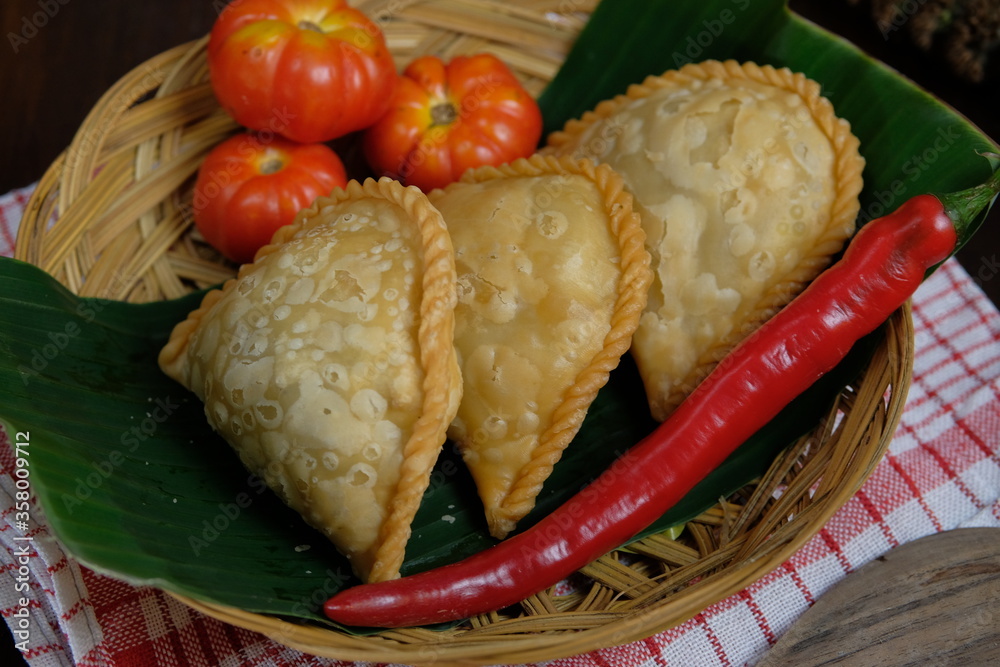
point(636, 276)
point(442, 380)
point(848, 165)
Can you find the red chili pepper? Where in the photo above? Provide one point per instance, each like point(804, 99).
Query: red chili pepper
point(881, 268)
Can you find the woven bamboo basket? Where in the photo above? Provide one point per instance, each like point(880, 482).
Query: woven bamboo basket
point(110, 218)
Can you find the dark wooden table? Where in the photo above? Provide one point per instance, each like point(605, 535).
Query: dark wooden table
point(59, 56)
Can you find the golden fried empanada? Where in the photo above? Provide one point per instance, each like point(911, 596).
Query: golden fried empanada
point(552, 278)
point(328, 364)
point(746, 182)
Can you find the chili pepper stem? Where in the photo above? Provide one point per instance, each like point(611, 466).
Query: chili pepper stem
point(964, 207)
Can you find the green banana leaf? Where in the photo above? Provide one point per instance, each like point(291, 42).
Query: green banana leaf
point(135, 484)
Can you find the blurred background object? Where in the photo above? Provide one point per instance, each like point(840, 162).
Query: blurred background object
point(964, 34)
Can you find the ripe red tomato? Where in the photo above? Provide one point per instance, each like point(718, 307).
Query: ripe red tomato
point(446, 118)
point(311, 70)
point(247, 188)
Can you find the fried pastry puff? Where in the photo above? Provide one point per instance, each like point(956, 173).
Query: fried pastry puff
point(328, 364)
point(552, 278)
point(746, 182)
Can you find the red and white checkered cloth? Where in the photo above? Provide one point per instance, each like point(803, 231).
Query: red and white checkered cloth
point(942, 472)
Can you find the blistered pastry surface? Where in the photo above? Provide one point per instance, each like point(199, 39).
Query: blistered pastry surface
point(737, 181)
point(540, 276)
point(310, 364)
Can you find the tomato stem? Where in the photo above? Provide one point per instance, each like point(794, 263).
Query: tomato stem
point(309, 25)
point(272, 165)
point(443, 114)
